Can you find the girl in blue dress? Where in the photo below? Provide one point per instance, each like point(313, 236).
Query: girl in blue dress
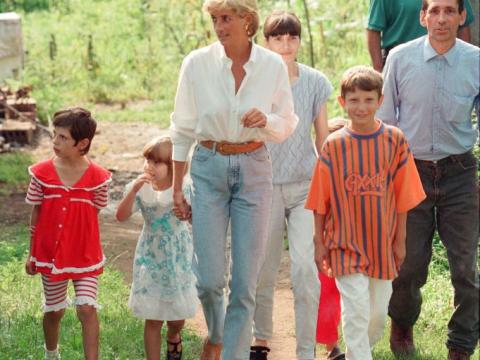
point(163, 287)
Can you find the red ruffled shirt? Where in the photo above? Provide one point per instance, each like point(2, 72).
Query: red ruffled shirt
point(66, 240)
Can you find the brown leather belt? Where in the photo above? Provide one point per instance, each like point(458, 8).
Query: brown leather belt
point(449, 159)
point(228, 148)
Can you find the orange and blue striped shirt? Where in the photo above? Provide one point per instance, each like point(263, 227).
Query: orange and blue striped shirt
point(361, 181)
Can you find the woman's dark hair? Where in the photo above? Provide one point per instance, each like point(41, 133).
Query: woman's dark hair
point(281, 22)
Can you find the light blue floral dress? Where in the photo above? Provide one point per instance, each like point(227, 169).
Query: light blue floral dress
point(163, 286)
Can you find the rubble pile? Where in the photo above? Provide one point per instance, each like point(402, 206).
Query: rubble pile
point(18, 117)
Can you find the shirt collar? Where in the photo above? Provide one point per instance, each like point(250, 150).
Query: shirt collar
point(223, 55)
point(429, 52)
point(227, 61)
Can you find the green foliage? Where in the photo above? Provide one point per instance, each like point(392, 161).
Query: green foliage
point(121, 335)
point(439, 262)
point(430, 331)
point(24, 5)
point(13, 170)
point(122, 51)
point(20, 319)
point(338, 37)
point(16, 249)
point(157, 112)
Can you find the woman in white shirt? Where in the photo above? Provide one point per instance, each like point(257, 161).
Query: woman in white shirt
point(232, 96)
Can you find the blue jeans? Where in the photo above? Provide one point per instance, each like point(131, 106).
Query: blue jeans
point(236, 188)
point(451, 207)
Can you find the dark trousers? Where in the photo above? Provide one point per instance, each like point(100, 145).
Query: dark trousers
point(451, 207)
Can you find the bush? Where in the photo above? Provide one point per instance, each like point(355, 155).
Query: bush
point(24, 5)
point(13, 171)
point(75, 55)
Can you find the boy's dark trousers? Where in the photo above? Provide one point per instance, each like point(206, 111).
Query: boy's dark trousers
point(452, 208)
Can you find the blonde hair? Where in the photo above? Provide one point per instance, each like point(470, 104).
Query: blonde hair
point(240, 8)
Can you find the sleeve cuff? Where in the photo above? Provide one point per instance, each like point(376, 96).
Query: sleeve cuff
point(33, 202)
point(318, 208)
point(180, 152)
point(374, 27)
point(269, 125)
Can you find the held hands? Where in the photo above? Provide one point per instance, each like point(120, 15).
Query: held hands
point(254, 118)
point(181, 209)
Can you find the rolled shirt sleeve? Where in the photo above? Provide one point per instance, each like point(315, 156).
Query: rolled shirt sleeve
point(388, 111)
point(281, 122)
point(184, 116)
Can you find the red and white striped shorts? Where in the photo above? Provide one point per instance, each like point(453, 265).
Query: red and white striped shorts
point(55, 292)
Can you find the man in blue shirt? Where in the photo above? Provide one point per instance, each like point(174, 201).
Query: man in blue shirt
point(431, 86)
point(391, 23)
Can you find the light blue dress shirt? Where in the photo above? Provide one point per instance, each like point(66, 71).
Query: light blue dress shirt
point(431, 97)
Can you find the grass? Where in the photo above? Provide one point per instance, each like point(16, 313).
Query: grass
point(430, 331)
point(21, 336)
point(20, 320)
point(157, 112)
point(20, 296)
point(13, 171)
point(76, 57)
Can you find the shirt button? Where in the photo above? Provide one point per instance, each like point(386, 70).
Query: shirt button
point(60, 225)
point(64, 209)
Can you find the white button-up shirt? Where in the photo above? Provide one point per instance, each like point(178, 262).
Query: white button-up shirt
point(207, 108)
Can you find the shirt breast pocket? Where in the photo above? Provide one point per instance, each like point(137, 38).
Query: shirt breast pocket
point(460, 109)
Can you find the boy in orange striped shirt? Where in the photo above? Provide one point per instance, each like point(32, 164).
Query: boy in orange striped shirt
point(365, 180)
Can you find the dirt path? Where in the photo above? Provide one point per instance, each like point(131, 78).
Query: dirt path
point(118, 147)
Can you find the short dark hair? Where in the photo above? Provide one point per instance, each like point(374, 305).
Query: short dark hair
point(461, 5)
point(361, 77)
point(79, 122)
point(281, 22)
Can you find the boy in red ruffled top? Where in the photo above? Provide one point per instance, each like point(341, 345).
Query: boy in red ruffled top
point(67, 192)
